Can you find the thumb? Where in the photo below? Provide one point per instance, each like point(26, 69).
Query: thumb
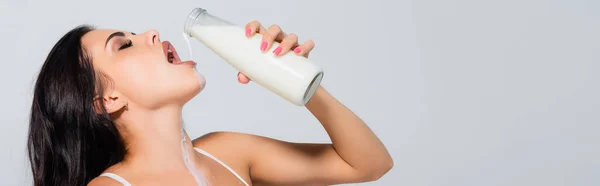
point(243, 79)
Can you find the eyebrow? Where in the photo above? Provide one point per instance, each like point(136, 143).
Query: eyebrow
point(113, 35)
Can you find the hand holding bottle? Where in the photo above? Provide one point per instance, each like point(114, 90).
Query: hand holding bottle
point(288, 42)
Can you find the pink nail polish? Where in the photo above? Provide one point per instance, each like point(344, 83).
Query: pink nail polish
point(247, 32)
point(263, 46)
point(239, 79)
point(297, 50)
point(277, 50)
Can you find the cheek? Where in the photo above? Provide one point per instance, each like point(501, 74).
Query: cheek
point(150, 80)
point(142, 75)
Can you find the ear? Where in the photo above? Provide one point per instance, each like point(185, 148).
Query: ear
point(112, 103)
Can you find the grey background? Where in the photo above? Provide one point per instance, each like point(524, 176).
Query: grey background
point(462, 92)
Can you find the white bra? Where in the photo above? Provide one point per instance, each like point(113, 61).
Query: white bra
point(126, 183)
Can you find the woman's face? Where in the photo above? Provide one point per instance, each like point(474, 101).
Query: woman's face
point(143, 70)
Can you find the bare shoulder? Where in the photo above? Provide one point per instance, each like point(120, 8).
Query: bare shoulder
point(230, 147)
point(104, 181)
point(224, 137)
point(225, 142)
point(231, 141)
point(234, 146)
point(215, 137)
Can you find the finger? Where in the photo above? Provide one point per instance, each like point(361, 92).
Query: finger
point(243, 79)
point(274, 33)
point(290, 41)
point(254, 27)
point(305, 48)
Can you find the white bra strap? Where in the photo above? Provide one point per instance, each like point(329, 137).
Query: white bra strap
point(223, 164)
point(117, 178)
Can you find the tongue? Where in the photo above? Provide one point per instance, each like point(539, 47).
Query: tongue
point(173, 57)
point(176, 59)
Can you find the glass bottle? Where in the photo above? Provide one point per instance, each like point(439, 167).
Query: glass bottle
point(292, 77)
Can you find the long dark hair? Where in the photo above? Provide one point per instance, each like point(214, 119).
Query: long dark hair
point(70, 140)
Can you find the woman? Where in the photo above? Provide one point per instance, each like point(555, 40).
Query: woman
point(107, 111)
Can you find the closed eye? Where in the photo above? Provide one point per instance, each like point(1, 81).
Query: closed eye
point(126, 45)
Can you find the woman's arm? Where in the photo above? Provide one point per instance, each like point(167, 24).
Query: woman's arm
point(352, 139)
point(356, 155)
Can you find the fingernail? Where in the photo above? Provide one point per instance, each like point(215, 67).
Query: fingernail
point(277, 50)
point(239, 79)
point(263, 46)
point(297, 50)
point(247, 32)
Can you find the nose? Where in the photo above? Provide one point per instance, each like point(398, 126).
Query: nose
point(152, 37)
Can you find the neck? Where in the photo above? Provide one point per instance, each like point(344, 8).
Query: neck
point(154, 138)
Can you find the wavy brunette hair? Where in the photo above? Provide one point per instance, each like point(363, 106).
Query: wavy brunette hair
point(70, 140)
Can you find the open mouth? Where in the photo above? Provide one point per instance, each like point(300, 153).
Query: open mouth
point(171, 54)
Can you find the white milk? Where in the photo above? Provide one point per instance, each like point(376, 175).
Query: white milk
point(187, 41)
point(201, 78)
point(196, 173)
point(295, 78)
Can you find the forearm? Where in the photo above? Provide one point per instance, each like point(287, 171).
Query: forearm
point(352, 139)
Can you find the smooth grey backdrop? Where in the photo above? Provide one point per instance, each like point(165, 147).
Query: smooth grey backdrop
point(462, 92)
